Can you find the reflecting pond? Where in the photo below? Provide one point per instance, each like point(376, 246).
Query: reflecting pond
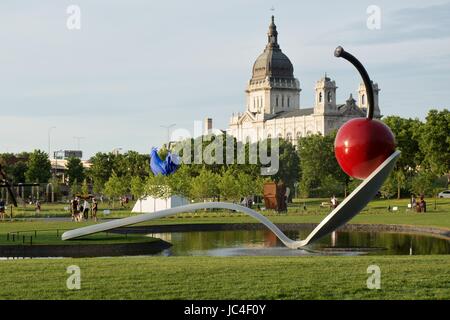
point(265, 243)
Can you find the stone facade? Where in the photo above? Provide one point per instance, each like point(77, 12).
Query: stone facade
point(273, 101)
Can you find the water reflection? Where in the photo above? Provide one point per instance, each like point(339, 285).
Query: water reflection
point(265, 243)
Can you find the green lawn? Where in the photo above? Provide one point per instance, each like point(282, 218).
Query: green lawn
point(62, 210)
point(375, 213)
point(296, 208)
point(323, 277)
point(402, 277)
point(53, 237)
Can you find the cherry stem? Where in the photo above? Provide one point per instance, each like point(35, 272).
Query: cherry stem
point(340, 53)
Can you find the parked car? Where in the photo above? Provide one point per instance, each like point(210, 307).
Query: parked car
point(444, 194)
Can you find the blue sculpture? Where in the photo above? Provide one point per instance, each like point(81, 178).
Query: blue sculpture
point(166, 167)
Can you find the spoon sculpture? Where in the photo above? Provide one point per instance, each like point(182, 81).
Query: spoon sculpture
point(373, 160)
point(346, 210)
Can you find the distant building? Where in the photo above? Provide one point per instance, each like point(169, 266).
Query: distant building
point(59, 162)
point(273, 101)
point(116, 151)
point(66, 154)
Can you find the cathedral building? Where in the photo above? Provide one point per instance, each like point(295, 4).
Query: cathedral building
point(273, 106)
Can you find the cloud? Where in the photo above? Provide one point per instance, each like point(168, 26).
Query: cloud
point(402, 25)
point(134, 67)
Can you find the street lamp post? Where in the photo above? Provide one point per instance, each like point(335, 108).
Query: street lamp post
point(78, 141)
point(168, 127)
point(48, 136)
point(56, 163)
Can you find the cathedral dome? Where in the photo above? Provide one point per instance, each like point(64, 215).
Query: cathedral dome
point(272, 62)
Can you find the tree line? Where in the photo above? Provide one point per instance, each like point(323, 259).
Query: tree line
point(310, 168)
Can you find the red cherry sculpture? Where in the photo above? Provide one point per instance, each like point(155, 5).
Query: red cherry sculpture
point(362, 144)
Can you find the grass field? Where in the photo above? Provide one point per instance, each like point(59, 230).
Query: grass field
point(421, 277)
point(53, 237)
point(323, 277)
point(434, 219)
point(296, 208)
point(375, 213)
point(51, 210)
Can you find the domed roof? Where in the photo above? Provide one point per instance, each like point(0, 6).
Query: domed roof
point(272, 62)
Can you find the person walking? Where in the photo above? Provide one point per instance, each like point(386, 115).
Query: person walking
point(75, 209)
point(334, 202)
point(413, 202)
point(71, 208)
point(94, 209)
point(38, 207)
point(86, 208)
point(423, 204)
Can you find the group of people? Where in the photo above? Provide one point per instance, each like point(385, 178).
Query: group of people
point(124, 201)
point(80, 209)
point(247, 202)
point(418, 205)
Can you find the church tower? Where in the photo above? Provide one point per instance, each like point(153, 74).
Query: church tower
point(325, 101)
point(272, 88)
point(362, 98)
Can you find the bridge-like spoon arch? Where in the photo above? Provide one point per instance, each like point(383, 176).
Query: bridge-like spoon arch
point(346, 210)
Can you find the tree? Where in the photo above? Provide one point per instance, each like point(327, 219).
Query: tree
point(180, 182)
point(75, 169)
point(246, 184)
point(389, 187)
point(317, 161)
point(400, 180)
point(39, 167)
point(131, 164)
point(439, 185)
point(101, 169)
point(435, 141)
point(353, 184)
point(423, 183)
point(157, 186)
point(18, 171)
point(85, 187)
point(75, 188)
point(137, 189)
point(15, 165)
point(115, 187)
point(407, 134)
point(97, 187)
point(329, 185)
point(229, 186)
point(288, 171)
point(205, 185)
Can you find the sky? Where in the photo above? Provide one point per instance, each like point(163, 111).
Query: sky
point(137, 65)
